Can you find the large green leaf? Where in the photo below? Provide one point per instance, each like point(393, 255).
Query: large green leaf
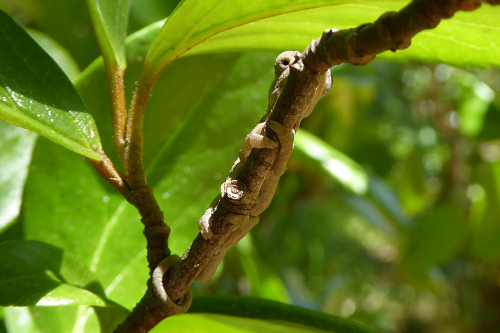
point(455, 41)
point(245, 314)
point(267, 311)
point(241, 26)
point(109, 19)
point(16, 145)
point(211, 323)
point(193, 22)
point(35, 273)
point(35, 94)
point(88, 220)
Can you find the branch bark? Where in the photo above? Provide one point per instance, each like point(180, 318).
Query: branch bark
point(357, 46)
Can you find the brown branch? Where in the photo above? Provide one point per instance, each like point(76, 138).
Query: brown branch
point(155, 230)
point(392, 31)
point(134, 136)
point(355, 46)
point(116, 92)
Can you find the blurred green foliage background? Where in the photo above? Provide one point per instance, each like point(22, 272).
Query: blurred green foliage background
point(414, 249)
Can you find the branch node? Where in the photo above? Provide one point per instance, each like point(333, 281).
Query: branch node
point(315, 57)
point(234, 190)
point(171, 307)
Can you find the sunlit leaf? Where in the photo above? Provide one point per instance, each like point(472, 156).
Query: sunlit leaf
point(35, 94)
point(255, 26)
point(16, 145)
point(193, 22)
point(208, 323)
point(19, 319)
point(338, 165)
point(454, 41)
point(109, 19)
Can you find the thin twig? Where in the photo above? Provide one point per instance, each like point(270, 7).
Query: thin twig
point(116, 92)
point(111, 174)
point(134, 137)
point(155, 230)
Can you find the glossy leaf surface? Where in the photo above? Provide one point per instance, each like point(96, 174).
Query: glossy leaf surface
point(35, 94)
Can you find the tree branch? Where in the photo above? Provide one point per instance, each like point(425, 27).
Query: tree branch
point(358, 46)
point(155, 229)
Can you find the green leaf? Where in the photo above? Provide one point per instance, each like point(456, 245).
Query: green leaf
point(18, 319)
point(109, 19)
point(216, 27)
point(454, 41)
point(16, 145)
point(35, 273)
point(485, 213)
point(267, 311)
point(60, 55)
point(263, 279)
point(86, 218)
point(35, 94)
point(336, 164)
point(193, 21)
point(435, 238)
point(208, 323)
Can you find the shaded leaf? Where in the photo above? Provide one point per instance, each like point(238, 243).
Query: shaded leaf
point(485, 214)
point(35, 273)
point(60, 55)
point(267, 311)
point(436, 237)
point(35, 94)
